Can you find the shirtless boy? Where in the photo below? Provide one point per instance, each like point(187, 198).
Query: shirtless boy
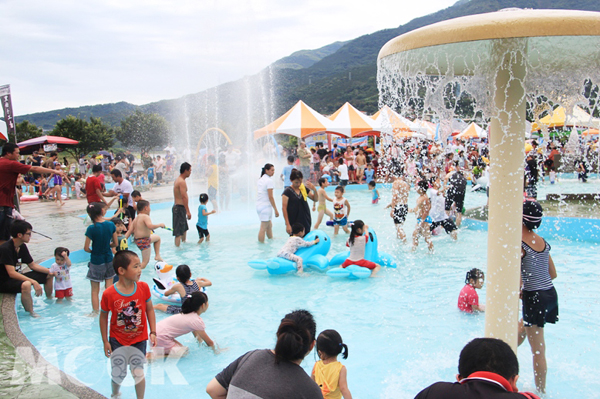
point(181, 209)
point(422, 209)
point(399, 205)
point(323, 197)
point(143, 235)
point(361, 164)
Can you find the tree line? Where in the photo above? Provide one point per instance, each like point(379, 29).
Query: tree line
point(139, 130)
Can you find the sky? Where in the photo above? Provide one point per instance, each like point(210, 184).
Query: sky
point(65, 53)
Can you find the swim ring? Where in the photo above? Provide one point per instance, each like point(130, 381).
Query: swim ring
point(164, 280)
point(355, 272)
point(26, 198)
point(312, 257)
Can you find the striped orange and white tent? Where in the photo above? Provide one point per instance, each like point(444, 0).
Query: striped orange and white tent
point(350, 122)
point(387, 119)
point(473, 131)
point(300, 121)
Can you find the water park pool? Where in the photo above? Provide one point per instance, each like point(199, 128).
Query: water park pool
point(403, 328)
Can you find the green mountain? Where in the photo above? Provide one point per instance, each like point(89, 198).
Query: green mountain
point(324, 78)
point(307, 58)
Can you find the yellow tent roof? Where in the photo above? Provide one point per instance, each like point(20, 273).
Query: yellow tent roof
point(559, 117)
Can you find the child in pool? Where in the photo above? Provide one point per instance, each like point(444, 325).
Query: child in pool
point(100, 237)
point(372, 186)
point(369, 173)
point(202, 225)
point(359, 235)
point(341, 211)
point(329, 374)
point(143, 234)
point(60, 269)
point(184, 288)
point(187, 321)
point(121, 235)
point(423, 228)
point(293, 243)
point(468, 300)
point(323, 197)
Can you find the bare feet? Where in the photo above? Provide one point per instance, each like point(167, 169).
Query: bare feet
point(33, 314)
point(93, 314)
point(158, 258)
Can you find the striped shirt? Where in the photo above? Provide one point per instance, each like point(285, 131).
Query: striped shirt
point(535, 268)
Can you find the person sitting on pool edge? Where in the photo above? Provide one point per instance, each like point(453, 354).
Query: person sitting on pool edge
point(13, 255)
point(487, 369)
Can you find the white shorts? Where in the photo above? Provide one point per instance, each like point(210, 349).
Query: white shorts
point(265, 213)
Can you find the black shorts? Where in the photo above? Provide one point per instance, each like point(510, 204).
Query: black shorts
point(6, 220)
point(400, 213)
point(180, 225)
point(540, 307)
point(455, 197)
point(343, 182)
point(202, 232)
point(158, 176)
point(13, 286)
point(447, 224)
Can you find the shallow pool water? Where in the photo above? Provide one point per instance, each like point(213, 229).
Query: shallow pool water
point(403, 329)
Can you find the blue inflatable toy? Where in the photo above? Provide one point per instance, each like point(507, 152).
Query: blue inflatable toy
point(355, 272)
point(312, 257)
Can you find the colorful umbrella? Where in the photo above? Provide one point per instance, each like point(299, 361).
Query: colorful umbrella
point(28, 146)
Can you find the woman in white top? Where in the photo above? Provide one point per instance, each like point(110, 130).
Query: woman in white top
point(265, 203)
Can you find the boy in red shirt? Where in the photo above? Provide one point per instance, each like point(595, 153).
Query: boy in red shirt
point(130, 304)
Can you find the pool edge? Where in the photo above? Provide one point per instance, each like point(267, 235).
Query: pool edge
point(34, 359)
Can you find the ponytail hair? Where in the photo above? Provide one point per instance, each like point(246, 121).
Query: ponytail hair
point(330, 343)
point(183, 273)
point(295, 335)
point(474, 274)
point(94, 210)
point(358, 224)
point(191, 303)
point(264, 169)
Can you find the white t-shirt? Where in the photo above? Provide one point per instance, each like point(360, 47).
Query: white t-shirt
point(262, 194)
point(343, 169)
point(62, 281)
point(125, 187)
point(437, 212)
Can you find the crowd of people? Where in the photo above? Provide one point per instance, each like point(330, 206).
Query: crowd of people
point(439, 178)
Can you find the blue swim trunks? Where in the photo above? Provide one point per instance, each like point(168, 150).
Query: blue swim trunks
point(428, 220)
point(341, 222)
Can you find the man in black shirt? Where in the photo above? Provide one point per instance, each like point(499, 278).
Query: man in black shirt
point(321, 151)
point(13, 256)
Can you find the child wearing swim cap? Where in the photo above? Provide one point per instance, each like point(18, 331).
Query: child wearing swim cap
point(329, 374)
point(468, 300)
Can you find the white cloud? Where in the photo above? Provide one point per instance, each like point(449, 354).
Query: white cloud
point(72, 53)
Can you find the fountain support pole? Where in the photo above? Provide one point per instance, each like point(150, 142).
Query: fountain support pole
point(507, 141)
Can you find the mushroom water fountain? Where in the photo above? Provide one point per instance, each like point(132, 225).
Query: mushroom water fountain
point(501, 61)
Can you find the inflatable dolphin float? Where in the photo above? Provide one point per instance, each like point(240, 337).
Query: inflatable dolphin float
point(312, 257)
point(355, 272)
